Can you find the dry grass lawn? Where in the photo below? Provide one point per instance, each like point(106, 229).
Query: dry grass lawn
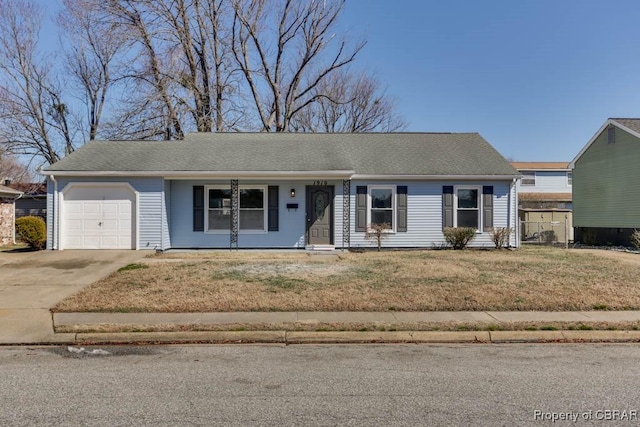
point(532, 278)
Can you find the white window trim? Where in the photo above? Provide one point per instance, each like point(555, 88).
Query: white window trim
point(241, 187)
point(569, 183)
point(394, 205)
point(523, 178)
point(455, 204)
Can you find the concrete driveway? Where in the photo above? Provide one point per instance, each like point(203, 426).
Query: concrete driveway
point(33, 282)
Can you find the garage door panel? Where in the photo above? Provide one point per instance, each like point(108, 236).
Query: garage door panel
point(91, 226)
point(124, 208)
point(111, 225)
point(99, 217)
point(89, 208)
point(111, 207)
point(91, 242)
point(73, 241)
point(73, 224)
point(73, 208)
point(111, 241)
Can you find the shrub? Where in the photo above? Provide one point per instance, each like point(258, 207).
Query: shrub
point(635, 239)
point(500, 236)
point(459, 237)
point(32, 231)
point(377, 232)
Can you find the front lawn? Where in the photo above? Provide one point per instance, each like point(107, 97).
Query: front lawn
point(531, 278)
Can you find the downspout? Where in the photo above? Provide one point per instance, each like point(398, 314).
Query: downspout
point(513, 211)
point(54, 223)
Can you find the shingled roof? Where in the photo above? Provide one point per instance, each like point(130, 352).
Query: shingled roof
point(6, 191)
point(362, 154)
point(631, 123)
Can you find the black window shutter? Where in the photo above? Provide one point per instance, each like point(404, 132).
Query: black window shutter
point(487, 207)
point(447, 206)
point(272, 203)
point(361, 208)
point(198, 208)
point(401, 194)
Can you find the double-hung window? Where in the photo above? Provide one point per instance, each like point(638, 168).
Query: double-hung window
point(570, 179)
point(467, 204)
point(252, 216)
point(382, 206)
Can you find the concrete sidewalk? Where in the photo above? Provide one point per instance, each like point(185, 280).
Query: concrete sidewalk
point(388, 319)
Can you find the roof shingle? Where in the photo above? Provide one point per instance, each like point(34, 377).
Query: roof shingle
point(363, 153)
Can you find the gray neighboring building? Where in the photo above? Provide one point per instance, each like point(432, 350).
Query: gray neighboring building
point(279, 190)
point(606, 194)
point(33, 201)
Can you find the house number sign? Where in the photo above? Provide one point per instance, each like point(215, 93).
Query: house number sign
point(320, 182)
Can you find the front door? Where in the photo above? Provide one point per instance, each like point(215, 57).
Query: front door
point(319, 215)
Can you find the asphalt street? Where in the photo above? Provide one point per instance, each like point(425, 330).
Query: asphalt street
point(475, 384)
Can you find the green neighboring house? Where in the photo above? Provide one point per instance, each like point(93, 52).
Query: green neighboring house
point(606, 194)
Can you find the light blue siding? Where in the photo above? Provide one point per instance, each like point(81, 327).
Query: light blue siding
point(166, 214)
point(424, 214)
point(547, 182)
point(150, 204)
point(292, 222)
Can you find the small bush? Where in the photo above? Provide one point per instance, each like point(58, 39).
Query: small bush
point(635, 239)
point(500, 236)
point(32, 231)
point(459, 237)
point(377, 232)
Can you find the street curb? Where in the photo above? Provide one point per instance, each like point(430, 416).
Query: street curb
point(350, 337)
point(184, 337)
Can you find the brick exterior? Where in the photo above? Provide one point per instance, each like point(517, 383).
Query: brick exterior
point(6, 221)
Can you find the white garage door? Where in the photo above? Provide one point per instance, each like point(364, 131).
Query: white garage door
point(98, 217)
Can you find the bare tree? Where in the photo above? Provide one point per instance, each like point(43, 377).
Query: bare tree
point(156, 69)
point(34, 117)
point(188, 65)
point(13, 170)
point(284, 79)
point(349, 103)
point(92, 57)
point(148, 71)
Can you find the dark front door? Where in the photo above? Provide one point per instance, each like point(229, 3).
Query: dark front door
point(319, 215)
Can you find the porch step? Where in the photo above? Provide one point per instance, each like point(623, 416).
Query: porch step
point(324, 248)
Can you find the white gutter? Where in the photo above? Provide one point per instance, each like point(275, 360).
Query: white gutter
point(211, 174)
point(543, 170)
point(439, 177)
point(350, 174)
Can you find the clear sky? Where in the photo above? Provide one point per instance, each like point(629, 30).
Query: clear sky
point(536, 78)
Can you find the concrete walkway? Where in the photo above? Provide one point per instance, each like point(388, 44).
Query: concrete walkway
point(33, 282)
